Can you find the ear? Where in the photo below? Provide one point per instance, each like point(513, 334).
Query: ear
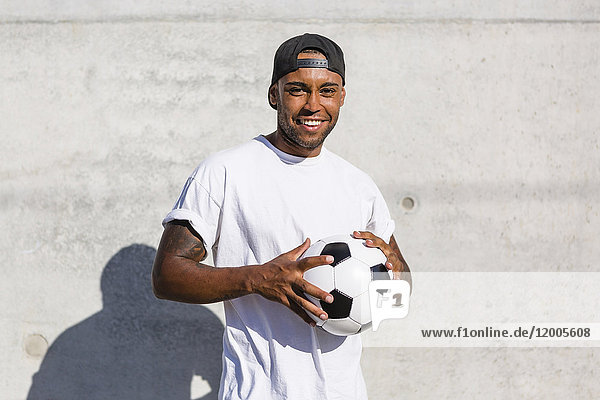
point(343, 96)
point(273, 93)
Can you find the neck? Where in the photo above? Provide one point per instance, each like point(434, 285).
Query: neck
point(281, 142)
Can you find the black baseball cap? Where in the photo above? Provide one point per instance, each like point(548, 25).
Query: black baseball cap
point(286, 56)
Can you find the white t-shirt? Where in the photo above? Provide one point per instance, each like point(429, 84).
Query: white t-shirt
point(250, 204)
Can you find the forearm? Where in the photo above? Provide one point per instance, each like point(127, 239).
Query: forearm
point(179, 275)
point(185, 280)
point(405, 270)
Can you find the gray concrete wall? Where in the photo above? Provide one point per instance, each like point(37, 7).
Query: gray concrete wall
point(485, 113)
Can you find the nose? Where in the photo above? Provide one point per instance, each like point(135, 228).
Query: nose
point(313, 102)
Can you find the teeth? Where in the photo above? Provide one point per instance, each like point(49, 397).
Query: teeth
point(310, 122)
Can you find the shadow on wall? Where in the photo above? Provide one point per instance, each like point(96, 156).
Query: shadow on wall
point(136, 347)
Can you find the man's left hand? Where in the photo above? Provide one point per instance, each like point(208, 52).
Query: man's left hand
point(395, 262)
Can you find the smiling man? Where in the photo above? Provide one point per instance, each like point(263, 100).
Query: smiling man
point(256, 206)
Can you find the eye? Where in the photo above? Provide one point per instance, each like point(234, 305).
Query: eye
point(295, 91)
point(328, 92)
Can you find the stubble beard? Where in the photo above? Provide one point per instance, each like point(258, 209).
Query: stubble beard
point(291, 135)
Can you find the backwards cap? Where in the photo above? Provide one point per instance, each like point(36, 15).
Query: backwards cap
point(286, 57)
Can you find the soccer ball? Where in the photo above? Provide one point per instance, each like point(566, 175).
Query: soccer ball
point(347, 279)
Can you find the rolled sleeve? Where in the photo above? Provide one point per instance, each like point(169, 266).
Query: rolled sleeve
point(196, 205)
point(381, 223)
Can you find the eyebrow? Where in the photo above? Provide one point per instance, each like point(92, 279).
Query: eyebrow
point(304, 85)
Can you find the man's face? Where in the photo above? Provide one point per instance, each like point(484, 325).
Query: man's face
point(308, 104)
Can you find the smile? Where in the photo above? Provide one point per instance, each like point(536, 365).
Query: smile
point(309, 122)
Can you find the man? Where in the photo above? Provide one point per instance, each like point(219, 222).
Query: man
point(256, 206)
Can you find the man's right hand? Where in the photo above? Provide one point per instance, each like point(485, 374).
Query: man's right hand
point(281, 280)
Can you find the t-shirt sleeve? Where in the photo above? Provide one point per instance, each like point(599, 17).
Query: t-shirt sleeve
point(381, 223)
point(200, 204)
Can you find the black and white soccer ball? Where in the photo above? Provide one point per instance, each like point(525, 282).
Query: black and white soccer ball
point(347, 279)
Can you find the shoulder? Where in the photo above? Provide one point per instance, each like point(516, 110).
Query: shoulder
point(347, 169)
point(229, 158)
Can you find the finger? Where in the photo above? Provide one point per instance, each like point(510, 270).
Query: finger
point(363, 235)
point(302, 313)
point(315, 261)
point(315, 291)
point(396, 265)
point(371, 240)
point(309, 306)
point(376, 242)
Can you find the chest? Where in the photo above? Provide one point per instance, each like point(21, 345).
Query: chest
point(277, 211)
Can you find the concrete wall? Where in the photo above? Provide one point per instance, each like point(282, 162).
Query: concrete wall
point(484, 113)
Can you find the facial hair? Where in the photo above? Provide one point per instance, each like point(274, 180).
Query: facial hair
point(291, 135)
